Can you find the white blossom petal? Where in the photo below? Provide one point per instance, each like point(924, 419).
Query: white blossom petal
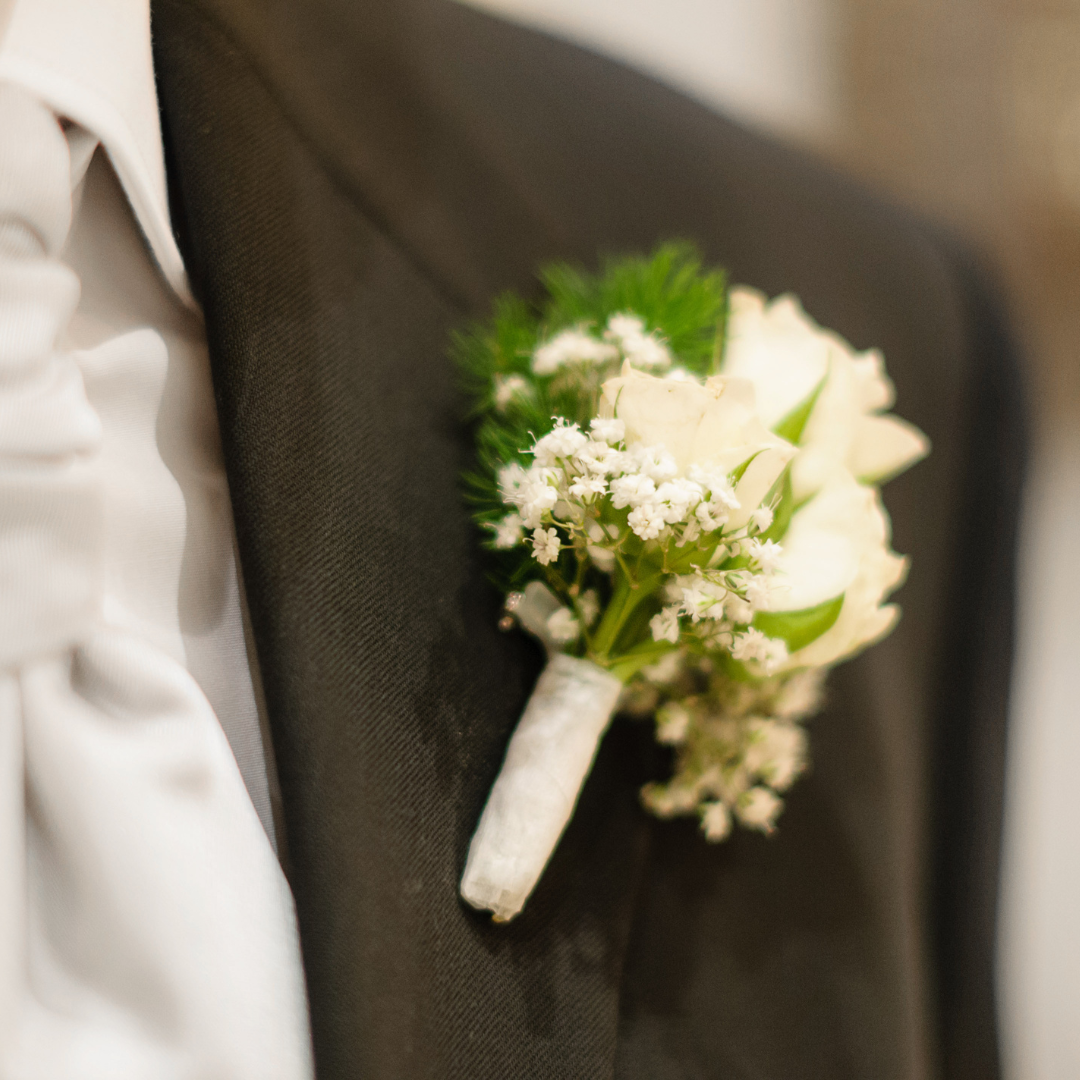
point(716, 822)
point(759, 808)
point(509, 531)
point(571, 346)
point(546, 546)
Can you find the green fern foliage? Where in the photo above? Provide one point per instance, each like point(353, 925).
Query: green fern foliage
point(510, 406)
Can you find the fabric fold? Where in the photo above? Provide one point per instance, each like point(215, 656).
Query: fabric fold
point(146, 928)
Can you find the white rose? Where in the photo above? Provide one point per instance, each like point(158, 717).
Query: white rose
point(714, 424)
point(838, 542)
point(786, 355)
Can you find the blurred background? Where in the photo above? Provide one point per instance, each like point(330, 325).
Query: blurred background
point(967, 111)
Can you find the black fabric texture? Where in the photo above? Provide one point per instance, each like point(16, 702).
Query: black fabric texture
point(350, 180)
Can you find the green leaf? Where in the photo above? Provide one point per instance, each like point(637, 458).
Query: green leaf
point(624, 599)
point(799, 628)
point(791, 427)
point(737, 472)
point(686, 560)
point(781, 498)
point(631, 662)
point(734, 669)
point(636, 630)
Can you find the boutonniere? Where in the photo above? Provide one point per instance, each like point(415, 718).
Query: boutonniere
point(678, 485)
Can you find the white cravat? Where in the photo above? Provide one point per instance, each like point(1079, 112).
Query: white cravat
point(90, 61)
point(146, 929)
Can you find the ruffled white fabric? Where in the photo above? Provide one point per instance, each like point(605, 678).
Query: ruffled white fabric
point(146, 929)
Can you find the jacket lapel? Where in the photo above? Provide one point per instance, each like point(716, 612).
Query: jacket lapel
point(390, 692)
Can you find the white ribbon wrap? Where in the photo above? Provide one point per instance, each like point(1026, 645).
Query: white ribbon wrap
point(534, 795)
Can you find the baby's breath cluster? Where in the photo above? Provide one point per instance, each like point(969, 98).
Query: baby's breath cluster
point(624, 338)
point(612, 508)
point(739, 746)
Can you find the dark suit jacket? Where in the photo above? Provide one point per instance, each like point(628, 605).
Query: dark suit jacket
point(353, 178)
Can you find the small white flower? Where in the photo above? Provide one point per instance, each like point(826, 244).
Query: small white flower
point(673, 587)
point(704, 599)
point(723, 494)
point(716, 609)
point(585, 487)
point(641, 349)
point(511, 478)
point(647, 351)
point(631, 490)
point(665, 625)
point(563, 441)
point(730, 784)
point(694, 602)
point(563, 627)
point(716, 822)
point(672, 723)
point(608, 429)
point(710, 784)
point(761, 519)
point(691, 531)
point(508, 532)
point(800, 694)
point(738, 610)
point(765, 553)
point(569, 347)
point(535, 498)
point(668, 800)
point(777, 751)
point(759, 808)
point(714, 512)
point(717, 637)
point(603, 558)
point(665, 670)
point(681, 496)
point(614, 463)
point(589, 606)
point(507, 388)
point(655, 462)
point(624, 325)
point(776, 652)
point(599, 458)
point(759, 591)
point(712, 516)
point(647, 520)
point(546, 546)
point(753, 645)
point(596, 532)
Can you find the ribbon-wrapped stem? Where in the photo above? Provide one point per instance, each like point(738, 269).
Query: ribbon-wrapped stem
point(533, 798)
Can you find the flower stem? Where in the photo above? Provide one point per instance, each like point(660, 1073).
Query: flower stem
point(628, 594)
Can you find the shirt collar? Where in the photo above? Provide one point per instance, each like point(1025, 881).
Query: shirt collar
point(90, 61)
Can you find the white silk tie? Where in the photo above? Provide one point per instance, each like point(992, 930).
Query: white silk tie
point(146, 929)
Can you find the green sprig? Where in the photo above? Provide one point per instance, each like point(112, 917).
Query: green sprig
point(669, 290)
